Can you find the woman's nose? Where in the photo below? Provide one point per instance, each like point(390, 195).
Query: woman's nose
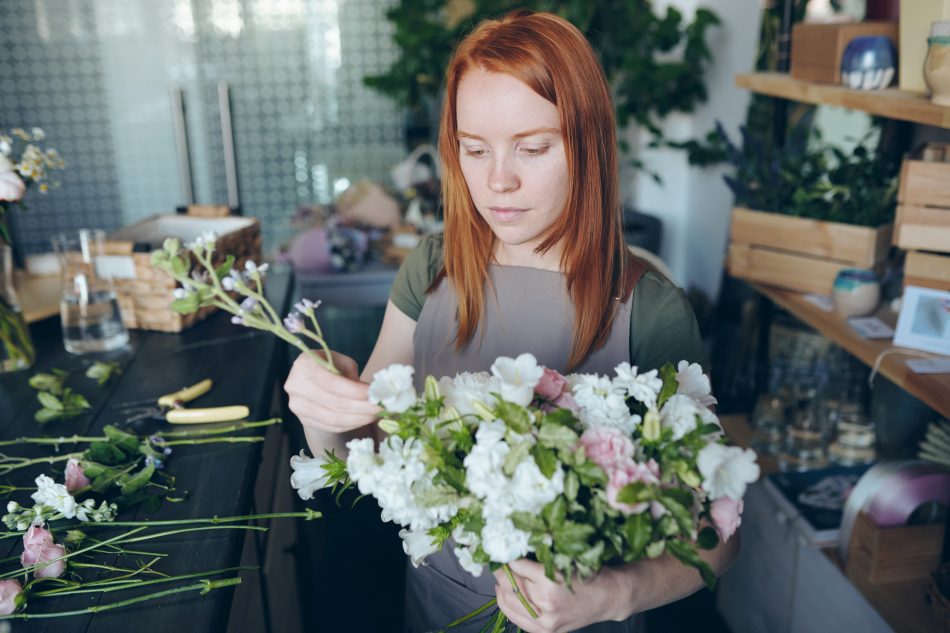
point(502, 177)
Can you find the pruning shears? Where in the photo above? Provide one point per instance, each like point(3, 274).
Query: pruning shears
point(171, 406)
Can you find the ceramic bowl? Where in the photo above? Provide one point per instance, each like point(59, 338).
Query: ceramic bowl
point(868, 63)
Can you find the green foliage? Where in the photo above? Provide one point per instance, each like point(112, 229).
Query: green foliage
point(52, 382)
point(656, 63)
point(68, 405)
point(103, 371)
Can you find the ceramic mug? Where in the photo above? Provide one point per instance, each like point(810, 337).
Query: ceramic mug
point(937, 63)
point(868, 63)
point(856, 292)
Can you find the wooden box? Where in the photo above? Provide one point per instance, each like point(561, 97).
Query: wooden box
point(798, 253)
point(817, 48)
point(893, 554)
point(923, 210)
point(144, 292)
point(929, 270)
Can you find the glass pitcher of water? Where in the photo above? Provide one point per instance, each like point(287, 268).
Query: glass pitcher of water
point(89, 308)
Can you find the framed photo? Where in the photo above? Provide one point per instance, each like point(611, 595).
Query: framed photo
point(924, 322)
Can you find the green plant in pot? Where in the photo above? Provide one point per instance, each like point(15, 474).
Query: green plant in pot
point(655, 63)
point(23, 164)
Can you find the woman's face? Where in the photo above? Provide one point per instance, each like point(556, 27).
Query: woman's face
point(512, 157)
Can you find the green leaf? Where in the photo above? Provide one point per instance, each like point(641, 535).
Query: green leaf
point(554, 513)
point(636, 492)
point(528, 521)
point(514, 457)
point(514, 416)
point(707, 538)
point(52, 383)
point(46, 415)
point(710, 429)
point(132, 484)
point(680, 512)
point(668, 375)
point(572, 538)
point(546, 558)
point(592, 556)
point(92, 469)
point(49, 401)
point(557, 436)
point(73, 401)
point(590, 473)
point(571, 485)
point(563, 417)
point(688, 555)
point(117, 435)
point(185, 305)
point(103, 371)
point(637, 530)
point(225, 267)
point(545, 459)
point(655, 548)
point(104, 453)
point(178, 266)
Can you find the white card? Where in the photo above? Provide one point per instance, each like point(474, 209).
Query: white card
point(929, 365)
point(871, 327)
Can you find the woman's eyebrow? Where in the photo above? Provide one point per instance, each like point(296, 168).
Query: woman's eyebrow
point(540, 130)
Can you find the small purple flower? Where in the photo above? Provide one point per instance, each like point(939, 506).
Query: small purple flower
point(293, 322)
point(237, 320)
point(167, 451)
point(306, 306)
point(248, 305)
point(227, 283)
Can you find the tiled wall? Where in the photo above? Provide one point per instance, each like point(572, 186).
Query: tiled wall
point(97, 76)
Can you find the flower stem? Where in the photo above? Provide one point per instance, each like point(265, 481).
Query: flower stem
point(90, 588)
point(204, 586)
point(308, 515)
point(517, 590)
point(475, 613)
point(212, 440)
point(217, 431)
point(9, 464)
point(73, 439)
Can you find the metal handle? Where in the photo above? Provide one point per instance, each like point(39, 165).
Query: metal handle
point(181, 145)
point(227, 140)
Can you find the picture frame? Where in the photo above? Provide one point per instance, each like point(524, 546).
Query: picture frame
point(924, 321)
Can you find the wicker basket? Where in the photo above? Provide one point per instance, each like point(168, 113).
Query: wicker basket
point(145, 293)
point(939, 590)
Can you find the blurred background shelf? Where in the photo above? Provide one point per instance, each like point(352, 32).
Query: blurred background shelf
point(39, 296)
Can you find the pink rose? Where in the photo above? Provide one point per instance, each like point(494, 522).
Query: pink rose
point(38, 548)
point(566, 401)
point(9, 590)
point(629, 473)
point(551, 385)
point(607, 447)
point(37, 537)
point(75, 477)
point(12, 187)
point(727, 516)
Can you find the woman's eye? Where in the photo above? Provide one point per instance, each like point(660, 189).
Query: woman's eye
point(475, 152)
point(534, 151)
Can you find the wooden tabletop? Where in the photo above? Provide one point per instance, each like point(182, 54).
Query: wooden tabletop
point(218, 479)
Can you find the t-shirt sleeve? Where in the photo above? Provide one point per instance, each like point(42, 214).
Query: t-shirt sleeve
point(663, 326)
point(417, 271)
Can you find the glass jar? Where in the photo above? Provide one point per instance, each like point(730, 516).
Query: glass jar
point(16, 346)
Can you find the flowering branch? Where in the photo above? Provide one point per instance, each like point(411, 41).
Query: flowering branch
point(211, 287)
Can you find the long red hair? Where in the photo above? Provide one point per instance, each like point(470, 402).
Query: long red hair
point(554, 59)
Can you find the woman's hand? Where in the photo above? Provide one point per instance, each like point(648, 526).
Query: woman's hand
point(324, 401)
point(558, 608)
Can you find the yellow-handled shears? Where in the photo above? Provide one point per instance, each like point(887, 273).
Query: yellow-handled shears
point(172, 405)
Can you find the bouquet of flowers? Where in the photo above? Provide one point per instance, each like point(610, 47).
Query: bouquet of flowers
point(23, 162)
point(576, 471)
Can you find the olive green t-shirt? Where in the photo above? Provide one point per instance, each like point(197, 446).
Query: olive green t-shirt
point(663, 326)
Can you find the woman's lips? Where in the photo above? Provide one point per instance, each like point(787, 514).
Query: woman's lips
point(506, 214)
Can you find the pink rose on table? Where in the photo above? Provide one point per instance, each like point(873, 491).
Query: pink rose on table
point(12, 187)
point(551, 385)
point(608, 447)
point(39, 548)
point(727, 516)
point(75, 477)
point(9, 590)
point(629, 473)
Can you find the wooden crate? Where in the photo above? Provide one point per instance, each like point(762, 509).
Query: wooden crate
point(929, 270)
point(801, 254)
point(144, 292)
point(893, 554)
point(817, 48)
point(923, 212)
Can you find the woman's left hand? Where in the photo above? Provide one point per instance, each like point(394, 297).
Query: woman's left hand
point(559, 609)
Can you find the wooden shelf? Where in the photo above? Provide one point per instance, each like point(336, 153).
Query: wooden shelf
point(891, 103)
point(933, 389)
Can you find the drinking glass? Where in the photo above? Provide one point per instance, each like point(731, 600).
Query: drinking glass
point(88, 306)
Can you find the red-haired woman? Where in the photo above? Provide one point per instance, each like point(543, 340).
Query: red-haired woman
point(532, 260)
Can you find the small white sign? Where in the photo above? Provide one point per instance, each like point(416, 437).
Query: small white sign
point(929, 365)
point(871, 327)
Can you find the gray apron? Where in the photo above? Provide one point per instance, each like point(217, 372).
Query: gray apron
point(526, 310)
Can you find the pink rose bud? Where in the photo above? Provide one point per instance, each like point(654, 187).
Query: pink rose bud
point(566, 401)
point(627, 474)
point(52, 569)
point(551, 385)
point(75, 477)
point(38, 548)
point(727, 516)
point(607, 447)
point(9, 590)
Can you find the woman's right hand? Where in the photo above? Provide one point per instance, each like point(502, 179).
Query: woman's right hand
point(328, 402)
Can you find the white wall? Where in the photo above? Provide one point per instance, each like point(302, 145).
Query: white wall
point(694, 203)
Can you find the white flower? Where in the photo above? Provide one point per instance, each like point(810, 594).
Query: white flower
point(483, 475)
point(694, 383)
point(6, 147)
point(55, 496)
point(463, 537)
point(417, 544)
point(228, 283)
point(309, 474)
point(531, 489)
point(6, 165)
point(679, 413)
point(642, 387)
point(392, 388)
point(726, 470)
point(253, 269)
point(180, 293)
point(503, 542)
point(467, 387)
point(464, 556)
point(518, 377)
point(38, 134)
point(362, 464)
point(602, 403)
point(12, 187)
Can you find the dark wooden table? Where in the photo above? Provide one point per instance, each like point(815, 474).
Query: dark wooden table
point(245, 366)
